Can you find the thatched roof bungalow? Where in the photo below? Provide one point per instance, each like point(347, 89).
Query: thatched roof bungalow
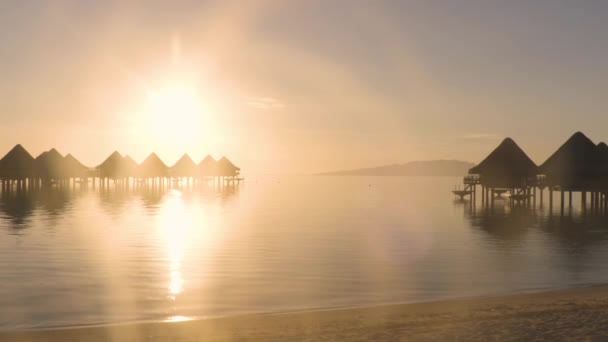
point(602, 148)
point(153, 166)
point(51, 165)
point(575, 166)
point(208, 166)
point(226, 168)
point(74, 167)
point(184, 167)
point(130, 167)
point(507, 166)
point(112, 167)
point(17, 164)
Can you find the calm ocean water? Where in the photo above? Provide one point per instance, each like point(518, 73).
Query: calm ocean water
point(277, 244)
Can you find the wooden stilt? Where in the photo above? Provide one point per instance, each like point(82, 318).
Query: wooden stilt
point(561, 202)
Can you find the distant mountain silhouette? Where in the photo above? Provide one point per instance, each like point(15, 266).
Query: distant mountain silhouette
point(415, 168)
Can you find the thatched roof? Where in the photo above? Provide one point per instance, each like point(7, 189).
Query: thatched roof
point(184, 167)
point(51, 165)
point(131, 168)
point(602, 148)
point(208, 166)
point(153, 166)
point(507, 166)
point(112, 167)
point(575, 164)
point(226, 168)
point(74, 167)
point(17, 164)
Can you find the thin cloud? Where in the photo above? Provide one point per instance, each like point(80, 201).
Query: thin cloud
point(266, 103)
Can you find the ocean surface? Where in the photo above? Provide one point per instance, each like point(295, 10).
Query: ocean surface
point(278, 244)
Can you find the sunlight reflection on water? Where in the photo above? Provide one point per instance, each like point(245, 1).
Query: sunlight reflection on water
point(90, 257)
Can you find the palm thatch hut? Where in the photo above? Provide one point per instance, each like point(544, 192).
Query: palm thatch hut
point(225, 168)
point(50, 165)
point(17, 164)
point(74, 168)
point(575, 166)
point(507, 166)
point(130, 166)
point(208, 167)
point(184, 167)
point(153, 166)
point(112, 167)
point(602, 148)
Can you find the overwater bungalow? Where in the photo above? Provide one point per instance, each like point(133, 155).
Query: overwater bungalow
point(208, 167)
point(603, 148)
point(575, 166)
point(184, 167)
point(225, 168)
point(74, 168)
point(17, 164)
point(130, 167)
point(153, 167)
point(112, 167)
point(507, 167)
point(50, 166)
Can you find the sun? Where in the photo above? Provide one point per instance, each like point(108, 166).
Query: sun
point(175, 113)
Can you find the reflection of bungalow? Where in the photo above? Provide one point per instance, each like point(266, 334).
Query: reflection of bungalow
point(575, 165)
point(112, 167)
point(130, 167)
point(153, 166)
point(184, 167)
point(17, 164)
point(507, 166)
point(208, 167)
point(50, 165)
point(225, 168)
point(74, 168)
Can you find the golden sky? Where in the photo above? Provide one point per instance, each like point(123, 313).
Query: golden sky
point(300, 86)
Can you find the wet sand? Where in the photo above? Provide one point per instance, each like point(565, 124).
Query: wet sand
point(574, 314)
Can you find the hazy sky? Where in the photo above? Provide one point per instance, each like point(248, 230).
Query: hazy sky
point(302, 86)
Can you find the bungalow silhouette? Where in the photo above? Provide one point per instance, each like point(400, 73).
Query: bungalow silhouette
point(113, 167)
point(208, 167)
point(130, 168)
point(579, 165)
point(184, 167)
point(153, 167)
point(507, 166)
point(575, 166)
point(50, 167)
point(225, 168)
point(18, 164)
point(74, 168)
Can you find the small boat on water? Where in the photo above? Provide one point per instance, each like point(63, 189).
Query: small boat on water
point(461, 193)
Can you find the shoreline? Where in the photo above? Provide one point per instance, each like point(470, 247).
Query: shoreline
point(294, 311)
point(562, 314)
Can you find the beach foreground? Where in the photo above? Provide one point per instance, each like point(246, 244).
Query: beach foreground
point(580, 314)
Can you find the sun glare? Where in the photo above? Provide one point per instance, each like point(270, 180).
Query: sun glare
point(175, 113)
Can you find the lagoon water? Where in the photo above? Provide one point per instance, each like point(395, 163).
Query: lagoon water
point(277, 244)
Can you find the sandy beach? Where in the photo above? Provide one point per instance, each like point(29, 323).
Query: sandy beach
point(575, 314)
